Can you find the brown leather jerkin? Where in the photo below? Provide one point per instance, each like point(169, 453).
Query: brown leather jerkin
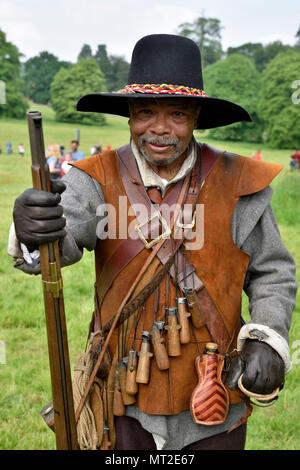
point(220, 265)
point(129, 248)
point(131, 291)
point(186, 275)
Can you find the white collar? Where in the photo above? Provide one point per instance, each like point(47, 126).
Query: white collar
point(150, 178)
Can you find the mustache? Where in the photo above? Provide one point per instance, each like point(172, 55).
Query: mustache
point(160, 141)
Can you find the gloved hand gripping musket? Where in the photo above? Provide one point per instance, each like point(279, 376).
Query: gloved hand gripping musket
point(64, 416)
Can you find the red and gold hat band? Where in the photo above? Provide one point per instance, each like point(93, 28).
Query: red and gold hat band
point(162, 89)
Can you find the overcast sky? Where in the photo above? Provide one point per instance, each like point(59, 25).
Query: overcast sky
point(63, 26)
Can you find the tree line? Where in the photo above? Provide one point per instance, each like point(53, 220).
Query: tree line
point(262, 78)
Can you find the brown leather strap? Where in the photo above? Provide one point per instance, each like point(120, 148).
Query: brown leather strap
point(214, 322)
point(137, 194)
point(143, 295)
point(186, 274)
point(154, 195)
point(132, 246)
point(126, 299)
point(107, 339)
point(129, 248)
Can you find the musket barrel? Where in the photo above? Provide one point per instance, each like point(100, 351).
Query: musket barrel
point(63, 405)
point(38, 148)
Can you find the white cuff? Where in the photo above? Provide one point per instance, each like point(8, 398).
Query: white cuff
point(13, 247)
point(269, 336)
point(159, 441)
point(32, 258)
point(19, 251)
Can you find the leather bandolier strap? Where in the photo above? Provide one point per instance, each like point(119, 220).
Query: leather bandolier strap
point(143, 295)
point(140, 275)
point(131, 247)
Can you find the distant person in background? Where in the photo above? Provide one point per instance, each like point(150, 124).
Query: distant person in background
point(21, 150)
point(96, 149)
point(0, 149)
point(65, 167)
point(48, 150)
point(62, 155)
point(293, 163)
point(295, 160)
point(9, 149)
point(257, 155)
point(54, 161)
point(76, 154)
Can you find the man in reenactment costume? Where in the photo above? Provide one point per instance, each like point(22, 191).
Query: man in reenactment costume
point(189, 307)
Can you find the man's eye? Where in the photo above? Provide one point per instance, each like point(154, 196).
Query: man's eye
point(178, 113)
point(144, 111)
point(144, 114)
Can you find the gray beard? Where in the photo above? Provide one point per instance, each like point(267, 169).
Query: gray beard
point(160, 141)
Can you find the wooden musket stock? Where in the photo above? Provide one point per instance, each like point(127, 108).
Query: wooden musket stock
point(63, 405)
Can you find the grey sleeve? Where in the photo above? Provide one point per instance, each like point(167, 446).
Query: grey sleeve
point(270, 282)
point(84, 206)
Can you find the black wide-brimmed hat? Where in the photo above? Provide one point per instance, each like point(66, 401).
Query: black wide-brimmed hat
point(166, 66)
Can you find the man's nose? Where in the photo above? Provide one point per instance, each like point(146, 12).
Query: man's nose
point(160, 124)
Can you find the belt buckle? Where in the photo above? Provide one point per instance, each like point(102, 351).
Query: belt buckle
point(185, 226)
point(166, 233)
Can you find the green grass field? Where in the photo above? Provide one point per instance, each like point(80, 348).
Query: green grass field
point(24, 378)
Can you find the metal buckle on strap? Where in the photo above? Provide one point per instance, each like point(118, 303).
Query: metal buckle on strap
point(165, 234)
point(185, 226)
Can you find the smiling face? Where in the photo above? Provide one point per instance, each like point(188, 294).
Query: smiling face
point(162, 129)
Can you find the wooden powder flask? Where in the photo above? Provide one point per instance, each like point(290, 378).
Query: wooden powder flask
point(160, 352)
point(131, 384)
point(173, 332)
point(183, 315)
point(194, 307)
point(118, 405)
point(122, 372)
point(209, 401)
point(143, 370)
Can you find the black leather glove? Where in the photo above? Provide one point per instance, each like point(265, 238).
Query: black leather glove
point(38, 216)
point(261, 365)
